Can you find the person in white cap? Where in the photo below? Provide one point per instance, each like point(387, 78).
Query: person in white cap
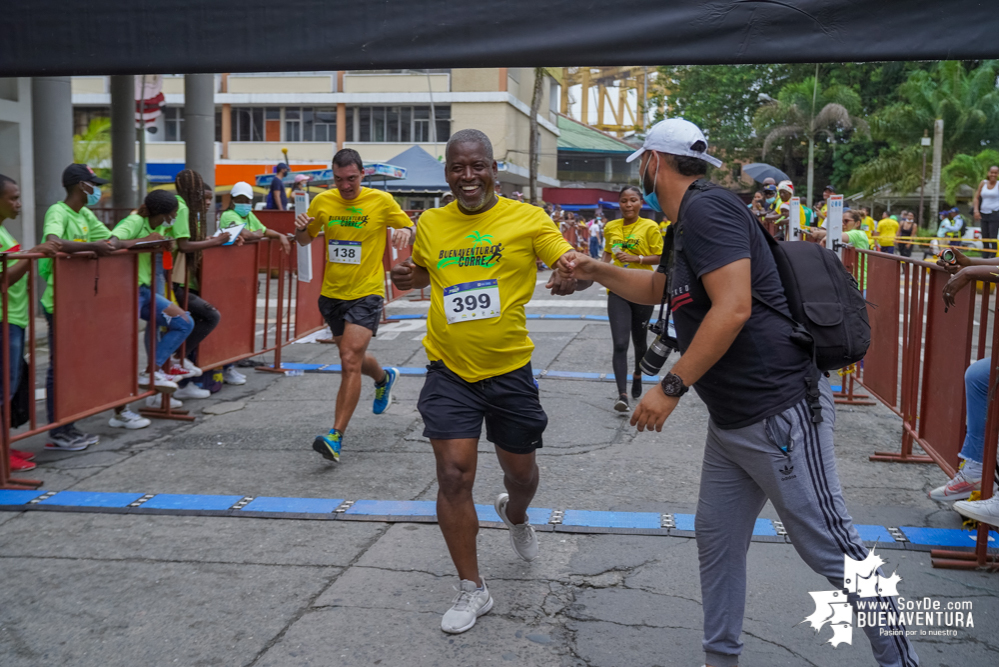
point(240, 212)
point(763, 441)
point(782, 210)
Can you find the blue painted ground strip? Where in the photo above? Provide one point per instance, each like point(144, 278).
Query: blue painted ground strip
point(593, 519)
point(293, 505)
point(175, 501)
point(15, 500)
point(89, 499)
point(944, 537)
point(394, 508)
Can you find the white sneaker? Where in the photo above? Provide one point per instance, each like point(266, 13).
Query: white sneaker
point(523, 539)
point(128, 419)
point(232, 376)
point(961, 486)
point(189, 366)
point(621, 405)
point(162, 382)
point(156, 403)
point(191, 390)
point(985, 511)
point(467, 606)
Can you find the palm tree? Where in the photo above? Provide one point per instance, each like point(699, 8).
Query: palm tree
point(802, 111)
point(966, 101)
point(967, 170)
point(93, 147)
point(534, 153)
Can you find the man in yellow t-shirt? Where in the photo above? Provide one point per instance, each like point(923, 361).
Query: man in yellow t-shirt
point(478, 256)
point(887, 231)
point(354, 220)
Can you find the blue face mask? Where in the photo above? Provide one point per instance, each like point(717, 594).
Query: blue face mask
point(650, 197)
point(770, 200)
point(94, 197)
point(242, 210)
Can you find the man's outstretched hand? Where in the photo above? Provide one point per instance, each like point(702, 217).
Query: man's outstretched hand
point(576, 265)
point(653, 410)
point(562, 282)
point(402, 275)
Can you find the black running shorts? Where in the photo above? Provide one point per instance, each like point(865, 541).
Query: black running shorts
point(365, 312)
point(453, 408)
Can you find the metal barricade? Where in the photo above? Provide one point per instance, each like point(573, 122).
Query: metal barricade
point(96, 334)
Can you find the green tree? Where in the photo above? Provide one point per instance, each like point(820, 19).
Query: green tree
point(967, 170)
point(93, 147)
point(967, 100)
point(720, 99)
point(802, 112)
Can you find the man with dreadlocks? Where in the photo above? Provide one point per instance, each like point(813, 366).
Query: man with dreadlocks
point(189, 231)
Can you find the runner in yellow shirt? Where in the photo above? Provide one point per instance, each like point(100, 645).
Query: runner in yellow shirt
point(887, 231)
point(478, 257)
point(631, 242)
point(354, 219)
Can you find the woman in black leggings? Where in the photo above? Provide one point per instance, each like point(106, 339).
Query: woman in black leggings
point(631, 242)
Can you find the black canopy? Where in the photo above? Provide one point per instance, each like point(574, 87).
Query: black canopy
point(181, 36)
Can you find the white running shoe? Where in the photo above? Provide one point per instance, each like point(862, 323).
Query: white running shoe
point(128, 419)
point(67, 441)
point(232, 376)
point(984, 511)
point(189, 366)
point(191, 390)
point(156, 403)
point(523, 539)
point(960, 487)
point(467, 606)
point(162, 381)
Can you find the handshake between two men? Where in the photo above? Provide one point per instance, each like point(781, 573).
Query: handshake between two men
point(575, 271)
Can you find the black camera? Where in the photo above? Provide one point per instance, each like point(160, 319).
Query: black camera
point(660, 349)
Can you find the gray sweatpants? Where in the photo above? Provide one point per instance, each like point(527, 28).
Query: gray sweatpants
point(742, 469)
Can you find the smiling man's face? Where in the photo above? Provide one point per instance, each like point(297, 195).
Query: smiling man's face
point(471, 173)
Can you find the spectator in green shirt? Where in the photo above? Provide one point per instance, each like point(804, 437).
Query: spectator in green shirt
point(240, 212)
point(16, 316)
point(76, 229)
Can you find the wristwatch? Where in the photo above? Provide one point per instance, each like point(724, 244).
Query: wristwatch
point(673, 386)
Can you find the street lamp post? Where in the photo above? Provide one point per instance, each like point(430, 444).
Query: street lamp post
point(925, 141)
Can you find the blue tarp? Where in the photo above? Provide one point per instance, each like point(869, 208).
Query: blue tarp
point(424, 172)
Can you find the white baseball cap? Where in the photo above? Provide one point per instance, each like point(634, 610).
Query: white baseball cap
point(675, 136)
point(786, 186)
point(242, 188)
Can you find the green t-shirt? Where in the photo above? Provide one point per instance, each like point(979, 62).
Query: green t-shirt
point(181, 228)
point(17, 294)
point(136, 227)
point(858, 239)
point(65, 223)
point(230, 218)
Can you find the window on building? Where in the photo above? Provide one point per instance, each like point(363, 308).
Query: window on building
point(248, 123)
point(324, 125)
point(399, 124)
point(173, 121)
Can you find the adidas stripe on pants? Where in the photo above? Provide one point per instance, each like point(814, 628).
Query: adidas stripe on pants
point(742, 469)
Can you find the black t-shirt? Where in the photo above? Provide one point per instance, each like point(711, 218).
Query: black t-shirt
point(764, 372)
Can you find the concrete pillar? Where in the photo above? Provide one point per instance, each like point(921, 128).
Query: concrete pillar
point(199, 127)
point(52, 140)
point(123, 180)
point(938, 127)
point(15, 152)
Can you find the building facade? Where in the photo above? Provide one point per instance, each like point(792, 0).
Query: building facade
point(310, 115)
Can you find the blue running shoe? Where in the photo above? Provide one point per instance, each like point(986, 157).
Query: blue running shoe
point(329, 445)
point(383, 393)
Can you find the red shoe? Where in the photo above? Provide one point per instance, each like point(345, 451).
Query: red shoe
point(27, 456)
point(17, 464)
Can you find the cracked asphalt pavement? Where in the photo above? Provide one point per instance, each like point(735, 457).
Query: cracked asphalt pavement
point(104, 589)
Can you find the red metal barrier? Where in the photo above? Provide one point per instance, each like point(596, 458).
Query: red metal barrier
point(96, 339)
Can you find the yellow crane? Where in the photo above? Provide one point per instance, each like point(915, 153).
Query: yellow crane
point(627, 115)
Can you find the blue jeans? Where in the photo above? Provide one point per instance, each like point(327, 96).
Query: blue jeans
point(178, 328)
point(976, 392)
point(50, 380)
point(594, 247)
point(15, 342)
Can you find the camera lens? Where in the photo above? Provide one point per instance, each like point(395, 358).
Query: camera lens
point(655, 357)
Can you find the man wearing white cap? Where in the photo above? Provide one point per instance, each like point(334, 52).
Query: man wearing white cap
point(763, 441)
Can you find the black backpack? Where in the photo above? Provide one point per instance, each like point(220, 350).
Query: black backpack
point(828, 311)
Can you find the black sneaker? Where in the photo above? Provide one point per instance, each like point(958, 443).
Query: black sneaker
point(636, 385)
point(622, 404)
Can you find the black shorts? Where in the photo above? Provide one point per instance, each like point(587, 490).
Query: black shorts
point(453, 408)
point(365, 312)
